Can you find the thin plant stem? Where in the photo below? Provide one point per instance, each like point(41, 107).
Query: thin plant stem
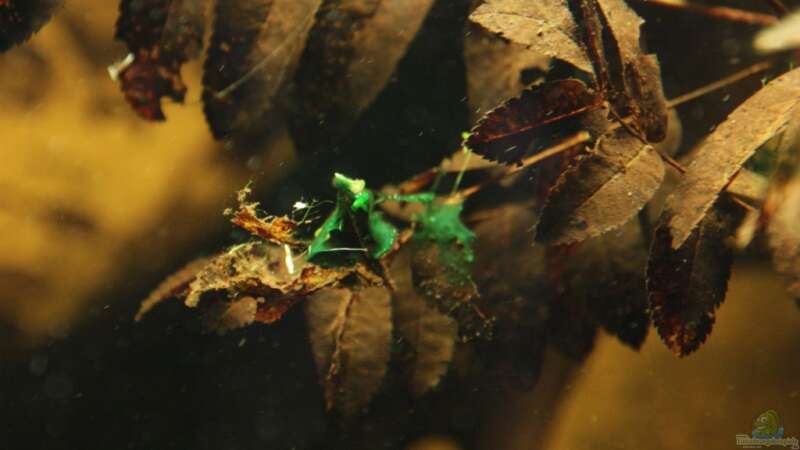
point(223, 93)
point(568, 143)
point(668, 159)
point(719, 12)
point(460, 175)
point(740, 75)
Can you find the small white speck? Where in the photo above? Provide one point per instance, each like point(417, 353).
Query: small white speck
point(118, 67)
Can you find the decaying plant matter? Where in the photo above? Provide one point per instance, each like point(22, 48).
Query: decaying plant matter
point(344, 272)
point(580, 231)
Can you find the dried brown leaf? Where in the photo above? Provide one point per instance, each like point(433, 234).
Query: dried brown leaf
point(602, 190)
point(588, 15)
point(351, 54)
point(545, 26)
point(161, 35)
point(447, 286)
point(686, 285)
point(379, 45)
point(625, 24)
point(253, 53)
point(629, 79)
point(430, 334)
point(495, 69)
point(326, 314)
point(647, 102)
point(350, 331)
point(722, 154)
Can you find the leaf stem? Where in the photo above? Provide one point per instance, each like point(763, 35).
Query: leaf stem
point(568, 143)
point(718, 12)
point(460, 175)
point(743, 204)
point(740, 75)
point(664, 156)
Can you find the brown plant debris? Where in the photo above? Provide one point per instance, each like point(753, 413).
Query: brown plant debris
point(510, 273)
point(265, 271)
point(278, 230)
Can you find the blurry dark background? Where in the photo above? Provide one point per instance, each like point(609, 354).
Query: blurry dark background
point(98, 206)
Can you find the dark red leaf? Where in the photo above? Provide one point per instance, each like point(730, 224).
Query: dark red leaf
point(686, 285)
point(533, 121)
point(161, 35)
